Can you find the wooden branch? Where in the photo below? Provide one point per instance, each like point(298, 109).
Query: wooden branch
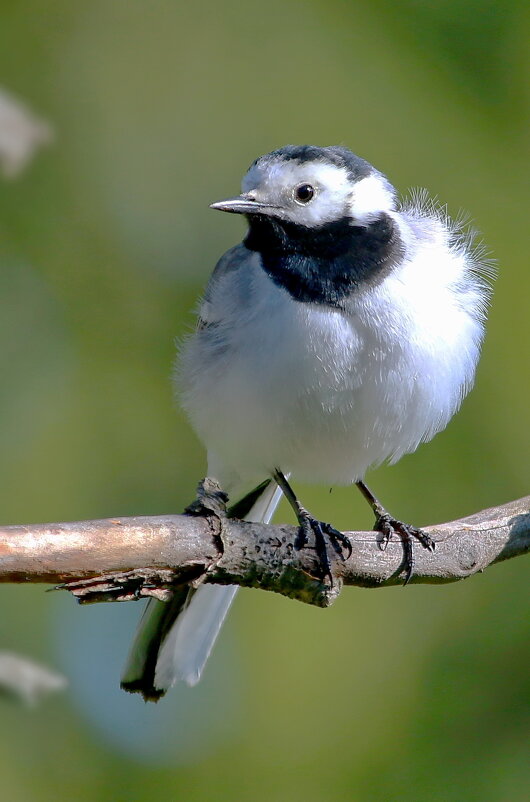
point(121, 559)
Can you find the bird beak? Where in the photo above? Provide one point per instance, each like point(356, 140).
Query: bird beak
point(243, 204)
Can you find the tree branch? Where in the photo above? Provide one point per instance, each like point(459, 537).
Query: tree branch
point(128, 558)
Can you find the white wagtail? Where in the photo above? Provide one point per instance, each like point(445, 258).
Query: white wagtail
point(342, 332)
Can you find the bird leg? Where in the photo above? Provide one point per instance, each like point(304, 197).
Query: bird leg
point(323, 533)
point(389, 526)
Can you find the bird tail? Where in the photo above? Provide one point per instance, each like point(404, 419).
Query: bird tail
point(174, 639)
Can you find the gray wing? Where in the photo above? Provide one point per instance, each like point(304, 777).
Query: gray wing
point(224, 281)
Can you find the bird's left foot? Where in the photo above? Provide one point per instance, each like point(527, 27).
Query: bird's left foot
point(389, 526)
point(324, 535)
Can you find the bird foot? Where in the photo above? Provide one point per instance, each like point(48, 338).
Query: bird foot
point(389, 526)
point(324, 535)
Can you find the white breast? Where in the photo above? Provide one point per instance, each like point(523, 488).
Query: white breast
point(325, 393)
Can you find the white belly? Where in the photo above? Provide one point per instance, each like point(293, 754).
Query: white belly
point(322, 393)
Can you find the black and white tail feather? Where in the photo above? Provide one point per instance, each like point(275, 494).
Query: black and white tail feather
point(174, 639)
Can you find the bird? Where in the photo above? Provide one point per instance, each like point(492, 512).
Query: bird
point(342, 332)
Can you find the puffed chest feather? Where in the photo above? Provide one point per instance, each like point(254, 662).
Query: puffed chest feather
point(325, 393)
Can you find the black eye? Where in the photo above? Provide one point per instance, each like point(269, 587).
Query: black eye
point(304, 193)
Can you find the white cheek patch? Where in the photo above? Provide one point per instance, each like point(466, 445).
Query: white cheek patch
point(371, 196)
point(332, 185)
point(336, 194)
point(277, 182)
point(333, 189)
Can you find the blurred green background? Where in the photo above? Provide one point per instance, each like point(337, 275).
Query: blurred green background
point(105, 244)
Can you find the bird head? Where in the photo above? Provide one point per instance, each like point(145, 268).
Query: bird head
point(311, 187)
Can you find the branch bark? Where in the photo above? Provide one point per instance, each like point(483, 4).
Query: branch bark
point(121, 559)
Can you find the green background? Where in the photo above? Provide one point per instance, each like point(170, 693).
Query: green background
point(105, 244)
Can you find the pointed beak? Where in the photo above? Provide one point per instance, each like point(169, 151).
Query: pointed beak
point(243, 204)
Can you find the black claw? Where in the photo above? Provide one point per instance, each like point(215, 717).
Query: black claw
point(389, 526)
point(426, 541)
point(322, 551)
point(339, 540)
point(408, 559)
point(302, 536)
point(310, 526)
point(383, 526)
point(319, 530)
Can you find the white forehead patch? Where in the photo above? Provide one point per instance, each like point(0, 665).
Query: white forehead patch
point(275, 182)
point(371, 196)
point(336, 194)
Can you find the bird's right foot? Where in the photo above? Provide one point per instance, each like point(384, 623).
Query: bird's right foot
point(325, 536)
